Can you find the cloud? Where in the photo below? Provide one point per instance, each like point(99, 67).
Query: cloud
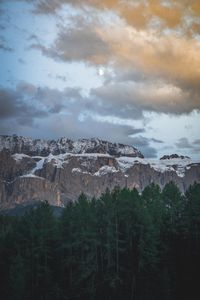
point(157, 141)
point(77, 43)
point(149, 51)
point(193, 147)
point(177, 15)
point(60, 113)
point(144, 144)
point(14, 105)
point(164, 66)
point(27, 103)
point(70, 127)
point(183, 143)
point(138, 14)
point(196, 150)
point(118, 100)
point(196, 142)
point(132, 98)
point(4, 46)
point(169, 57)
point(112, 120)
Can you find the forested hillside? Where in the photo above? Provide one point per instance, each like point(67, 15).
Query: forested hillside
point(124, 245)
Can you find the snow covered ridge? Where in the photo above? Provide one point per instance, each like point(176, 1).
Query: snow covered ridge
point(123, 163)
point(87, 151)
point(19, 144)
point(179, 164)
point(172, 156)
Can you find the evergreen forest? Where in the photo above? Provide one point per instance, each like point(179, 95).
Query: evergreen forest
point(124, 245)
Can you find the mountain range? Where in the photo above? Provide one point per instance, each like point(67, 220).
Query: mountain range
point(59, 171)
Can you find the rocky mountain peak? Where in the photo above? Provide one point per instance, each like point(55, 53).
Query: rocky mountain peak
point(29, 146)
point(176, 156)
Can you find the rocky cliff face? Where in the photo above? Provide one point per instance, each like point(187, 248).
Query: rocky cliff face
point(32, 170)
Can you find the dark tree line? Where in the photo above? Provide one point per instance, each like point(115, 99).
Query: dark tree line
point(121, 246)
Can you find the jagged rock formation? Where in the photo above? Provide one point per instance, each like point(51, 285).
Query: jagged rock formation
point(19, 144)
point(34, 170)
point(174, 156)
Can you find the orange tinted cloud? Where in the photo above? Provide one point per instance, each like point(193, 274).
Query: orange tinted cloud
point(137, 13)
point(158, 39)
point(174, 58)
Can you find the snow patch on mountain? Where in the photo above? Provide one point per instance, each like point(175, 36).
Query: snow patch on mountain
point(39, 165)
point(19, 156)
point(126, 163)
point(105, 170)
point(57, 160)
point(78, 170)
point(30, 175)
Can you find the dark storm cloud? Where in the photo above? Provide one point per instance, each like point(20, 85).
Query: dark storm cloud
point(117, 101)
point(196, 150)
point(50, 101)
point(54, 100)
point(149, 152)
point(183, 143)
point(58, 113)
point(8, 103)
point(141, 141)
point(13, 105)
point(26, 103)
point(157, 141)
point(131, 98)
point(197, 142)
point(144, 144)
point(133, 131)
point(193, 147)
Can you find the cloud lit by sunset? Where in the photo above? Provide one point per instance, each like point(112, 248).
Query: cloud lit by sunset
point(124, 71)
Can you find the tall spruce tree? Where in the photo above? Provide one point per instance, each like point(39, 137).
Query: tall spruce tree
point(121, 246)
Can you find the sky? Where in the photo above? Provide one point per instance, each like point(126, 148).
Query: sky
point(125, 71)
